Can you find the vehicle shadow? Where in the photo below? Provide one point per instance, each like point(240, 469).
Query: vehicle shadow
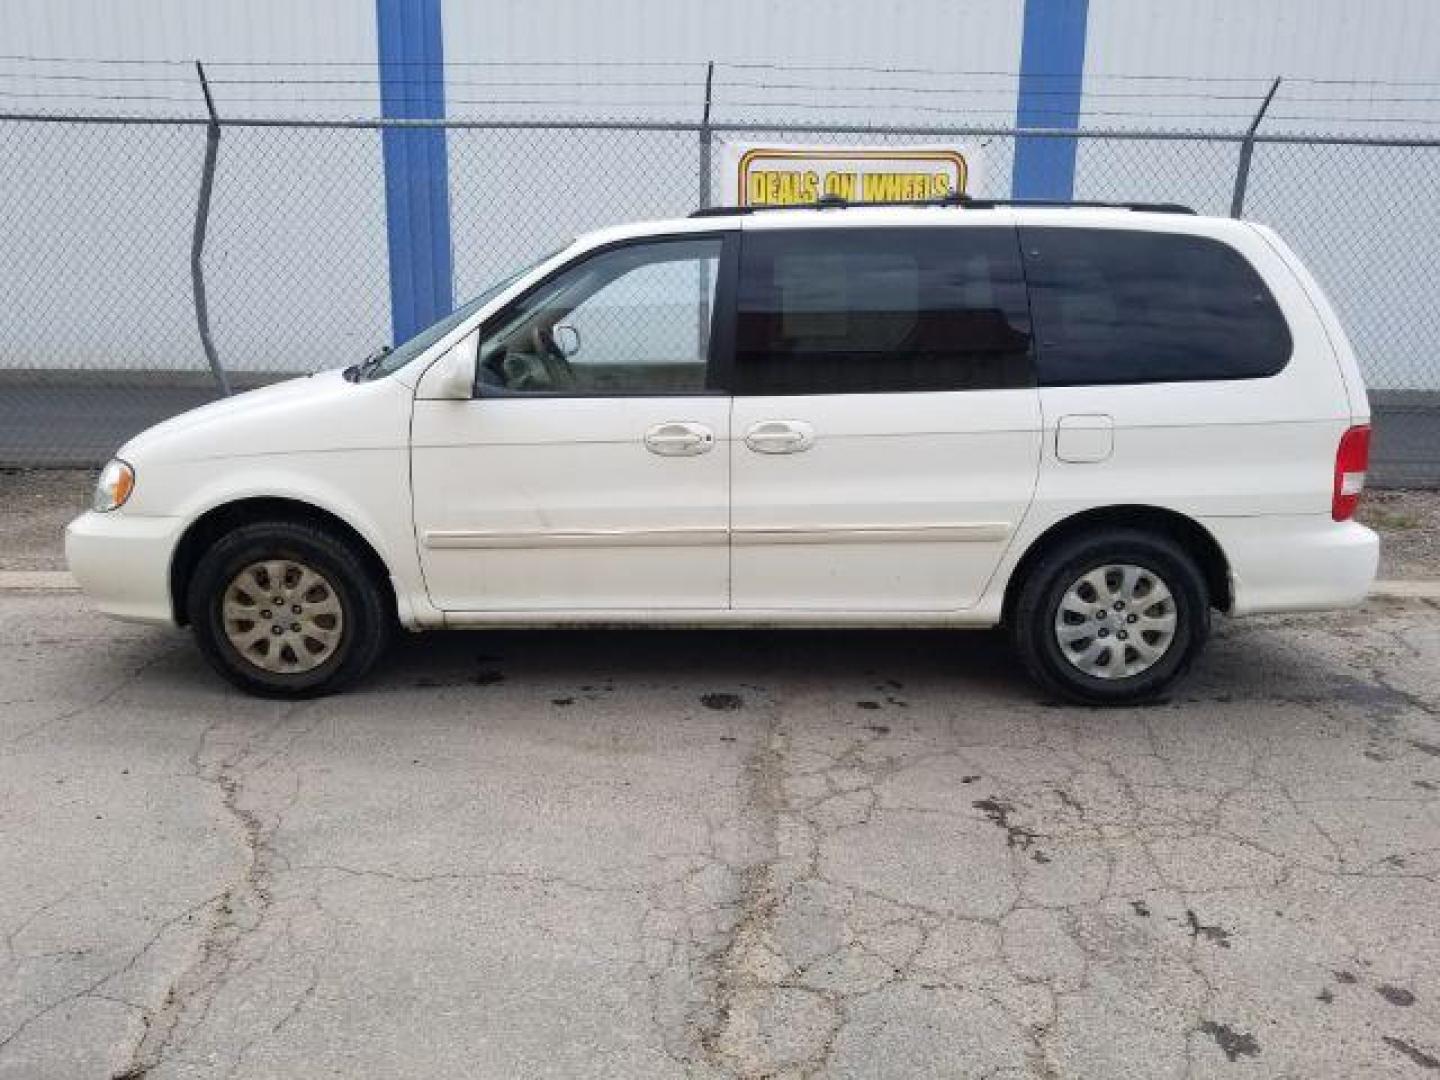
point(1261, 662)
point(977, 660)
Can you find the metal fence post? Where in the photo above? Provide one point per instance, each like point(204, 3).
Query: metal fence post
point(197, 240)
point(1247, 150)
point(706, 136)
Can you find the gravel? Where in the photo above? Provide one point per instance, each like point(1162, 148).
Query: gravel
point(1409, 526)
point(38, 503)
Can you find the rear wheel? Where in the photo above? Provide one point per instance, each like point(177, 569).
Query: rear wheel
point(1111, 617)
point(284, 609)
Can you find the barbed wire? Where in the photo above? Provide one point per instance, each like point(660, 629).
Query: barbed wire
point(740, 87)
point(439, 81)
point(741, 65)
point(1040, 115)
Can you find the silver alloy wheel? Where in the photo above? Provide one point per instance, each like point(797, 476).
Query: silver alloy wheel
point(282, 616)
point(1116, 621)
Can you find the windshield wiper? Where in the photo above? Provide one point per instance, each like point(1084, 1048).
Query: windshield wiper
point(363, 370)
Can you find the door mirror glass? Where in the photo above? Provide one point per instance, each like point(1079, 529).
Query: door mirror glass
point(567, 339)
point(643, 311)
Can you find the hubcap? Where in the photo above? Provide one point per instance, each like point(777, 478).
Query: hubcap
point(1116, 621)
point(282, 616)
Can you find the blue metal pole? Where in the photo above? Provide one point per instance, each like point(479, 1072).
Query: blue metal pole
point(1052, 64)
point(417, 186)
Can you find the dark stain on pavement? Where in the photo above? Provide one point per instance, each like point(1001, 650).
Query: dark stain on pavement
point(1396, 995)
point(1069, 800)
point(1016, 836)
point(722, 702)
point(1236, 1044)
point(1216, 934)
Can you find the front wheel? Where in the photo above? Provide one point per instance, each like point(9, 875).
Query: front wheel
point(285, 609)
point(1112, 617)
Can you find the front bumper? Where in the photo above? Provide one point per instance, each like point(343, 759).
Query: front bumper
point(1296, 563)
point(122, 563)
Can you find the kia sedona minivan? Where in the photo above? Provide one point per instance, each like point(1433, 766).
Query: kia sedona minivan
point(1093, 426)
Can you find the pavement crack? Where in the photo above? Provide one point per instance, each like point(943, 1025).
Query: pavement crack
point(742, 957)
point(1411, 1051)
point(241, 908)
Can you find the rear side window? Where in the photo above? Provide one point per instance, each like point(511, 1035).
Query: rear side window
point(867, 311)
point(1137, 307)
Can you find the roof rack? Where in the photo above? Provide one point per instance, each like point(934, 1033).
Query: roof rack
point(961, 202)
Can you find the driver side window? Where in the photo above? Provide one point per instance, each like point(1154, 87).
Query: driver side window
point(632, 320)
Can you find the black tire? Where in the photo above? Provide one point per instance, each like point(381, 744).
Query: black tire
point(366, 616)
point(1032, 622)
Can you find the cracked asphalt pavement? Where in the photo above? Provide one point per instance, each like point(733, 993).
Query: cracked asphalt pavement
point(715, 854)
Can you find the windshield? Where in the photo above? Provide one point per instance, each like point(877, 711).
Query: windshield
point(402, 354)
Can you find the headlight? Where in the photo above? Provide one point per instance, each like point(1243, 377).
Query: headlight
point(117, 481)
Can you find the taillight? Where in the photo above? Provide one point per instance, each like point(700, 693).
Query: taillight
point(1352, 458)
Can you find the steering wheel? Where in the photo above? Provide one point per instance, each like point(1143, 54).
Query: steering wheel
point(533, 363)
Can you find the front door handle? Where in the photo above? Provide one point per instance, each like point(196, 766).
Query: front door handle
point(780, 437)
point(679, 438)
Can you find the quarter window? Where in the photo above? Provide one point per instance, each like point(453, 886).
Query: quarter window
point(1112, 306)
point(865, 311)
point(634, 320)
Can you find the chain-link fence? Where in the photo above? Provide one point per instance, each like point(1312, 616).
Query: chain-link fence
point(101, 254)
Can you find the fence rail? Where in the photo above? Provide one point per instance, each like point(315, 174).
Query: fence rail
point(152, 261)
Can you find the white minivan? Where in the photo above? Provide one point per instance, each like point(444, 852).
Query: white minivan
point(1090, 425)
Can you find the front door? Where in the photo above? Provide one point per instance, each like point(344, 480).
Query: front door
point(886, 429)
point(591, 472)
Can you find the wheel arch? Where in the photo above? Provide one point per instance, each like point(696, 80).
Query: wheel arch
point(1189, 533)
point(220, 519)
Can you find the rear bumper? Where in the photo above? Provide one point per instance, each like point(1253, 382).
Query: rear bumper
point(1296, 563)
point(123, 563)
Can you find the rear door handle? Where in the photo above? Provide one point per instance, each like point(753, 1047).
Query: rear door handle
point(679, 438)
point(780, 436)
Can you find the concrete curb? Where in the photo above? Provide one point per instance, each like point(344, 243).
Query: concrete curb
point(37, 581)
point(62, 581)
point(1406, 590)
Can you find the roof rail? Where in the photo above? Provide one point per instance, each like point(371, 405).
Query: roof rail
point(962, 202)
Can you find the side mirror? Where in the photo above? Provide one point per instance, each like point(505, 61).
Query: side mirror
point(452, 377)
point(567, 339)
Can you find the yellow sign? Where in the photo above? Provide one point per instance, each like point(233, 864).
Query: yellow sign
point(790, 176)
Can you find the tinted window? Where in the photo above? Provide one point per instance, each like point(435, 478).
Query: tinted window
point(1135, 307)
point(855, 311)
point(631, 320)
